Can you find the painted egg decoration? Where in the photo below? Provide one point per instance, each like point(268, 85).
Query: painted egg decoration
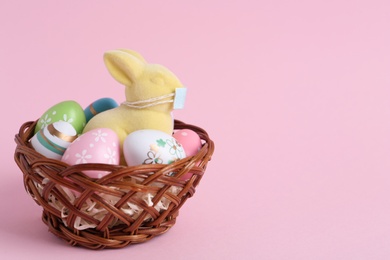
point(191, 143)
point(69, 111)
point(99, 106)
point(100, 145)
point(151, 147)
point(53, 139)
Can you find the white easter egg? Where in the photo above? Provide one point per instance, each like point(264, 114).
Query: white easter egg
point(53, 139)
point(151, 147)
point(100, 145)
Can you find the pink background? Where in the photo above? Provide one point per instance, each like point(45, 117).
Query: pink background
point(295, 95)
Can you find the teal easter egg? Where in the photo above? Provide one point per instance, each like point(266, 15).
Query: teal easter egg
point(68, 111)
point(99, 106)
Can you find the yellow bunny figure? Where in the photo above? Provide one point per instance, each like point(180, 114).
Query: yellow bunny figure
point(150, 92)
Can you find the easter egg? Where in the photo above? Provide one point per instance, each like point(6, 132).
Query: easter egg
point(53, 139)
point(151, 147)
point(189, 139)
point(100, 145)
point(68, 111)
point(99, 106)
point(191, 143)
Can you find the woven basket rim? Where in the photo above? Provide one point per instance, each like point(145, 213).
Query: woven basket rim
point(21, 139)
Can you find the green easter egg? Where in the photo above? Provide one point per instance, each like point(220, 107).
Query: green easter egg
point(68, 111)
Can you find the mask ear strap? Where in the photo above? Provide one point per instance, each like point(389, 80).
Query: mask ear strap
point(177, 98)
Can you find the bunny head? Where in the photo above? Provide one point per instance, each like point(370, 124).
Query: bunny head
point(143, 81)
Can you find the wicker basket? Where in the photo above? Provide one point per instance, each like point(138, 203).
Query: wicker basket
point(129, 205)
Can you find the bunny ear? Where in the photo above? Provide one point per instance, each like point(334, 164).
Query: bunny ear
point(134, 53)
point(124, 66)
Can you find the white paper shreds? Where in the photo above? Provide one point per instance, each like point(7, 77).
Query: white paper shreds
point(97, 210)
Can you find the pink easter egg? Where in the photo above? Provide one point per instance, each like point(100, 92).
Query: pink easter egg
point(191, 144)
point(100, 145)
point(190, 141)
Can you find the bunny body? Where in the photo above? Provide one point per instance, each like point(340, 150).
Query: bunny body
point(143, 81)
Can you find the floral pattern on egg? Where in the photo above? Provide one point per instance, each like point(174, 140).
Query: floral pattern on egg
point(96, 146)
point(152, 147)
point(174, 148)
point(46, 120)
point(68, 111)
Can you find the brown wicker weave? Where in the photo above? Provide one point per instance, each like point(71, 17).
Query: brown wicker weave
point(47, 180)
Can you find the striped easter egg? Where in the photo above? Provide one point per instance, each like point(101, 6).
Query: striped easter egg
point(52, 140)
point(99, 106)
